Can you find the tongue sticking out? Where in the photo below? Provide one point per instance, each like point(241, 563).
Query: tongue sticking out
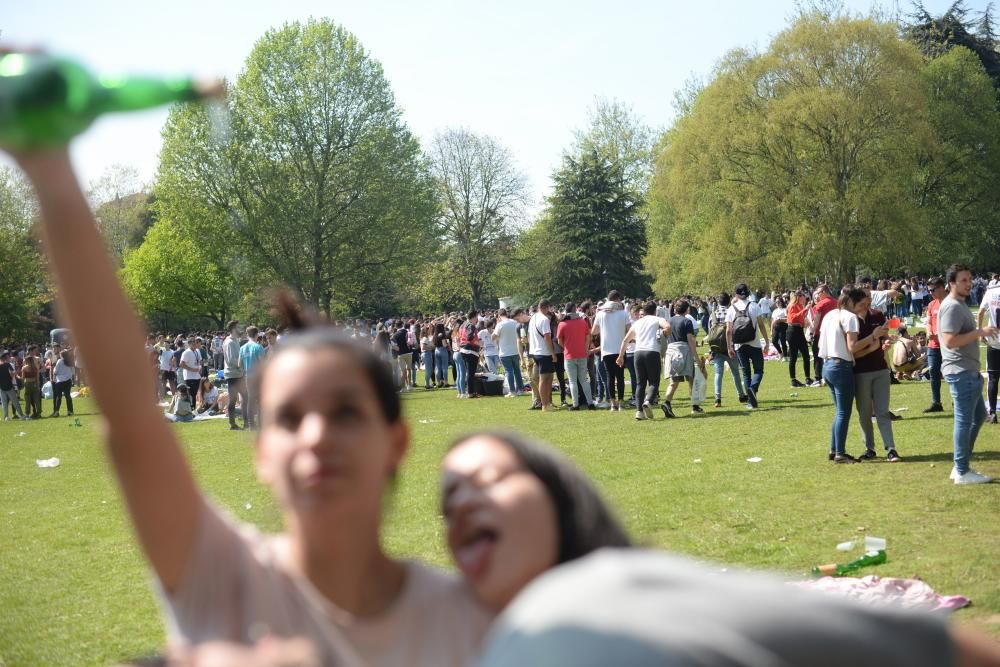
point(474, 557)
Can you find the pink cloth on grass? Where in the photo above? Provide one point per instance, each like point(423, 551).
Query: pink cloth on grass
point(905, 593)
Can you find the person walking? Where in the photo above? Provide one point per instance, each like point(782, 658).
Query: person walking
point(719, 350)
point(647, 357)
point(745, 327)
point(871, 382)
point(960, 368)
point(838, 343)
point(938, 291)
point(682, 355)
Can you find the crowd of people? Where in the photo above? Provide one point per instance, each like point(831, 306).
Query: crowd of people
point(541, 558)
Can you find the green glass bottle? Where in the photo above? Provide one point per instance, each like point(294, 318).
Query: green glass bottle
point(45, 100)
point(842, 570)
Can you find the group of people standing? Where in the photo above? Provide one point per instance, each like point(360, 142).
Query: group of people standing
point(28, 371)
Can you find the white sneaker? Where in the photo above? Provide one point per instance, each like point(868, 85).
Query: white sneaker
point(953, 474)
point(647, 410)
point(603, 405)
point(972, 477)
point(639, 416)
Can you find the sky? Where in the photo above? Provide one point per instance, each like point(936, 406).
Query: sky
point(523, 71)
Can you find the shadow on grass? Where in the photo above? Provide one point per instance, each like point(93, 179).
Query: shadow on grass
point(948, 456)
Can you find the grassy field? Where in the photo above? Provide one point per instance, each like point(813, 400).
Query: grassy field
point(74, 589)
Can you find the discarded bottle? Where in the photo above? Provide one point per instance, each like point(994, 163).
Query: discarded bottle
point(842, 570)
point(794, 394)
point(46, 100)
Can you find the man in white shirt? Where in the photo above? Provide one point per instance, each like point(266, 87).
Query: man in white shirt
point(541, 350)
point(745, 327)
point(989, 310)
point(233, 373)
point(611, 324)
point(505, 335)
point(191, 367)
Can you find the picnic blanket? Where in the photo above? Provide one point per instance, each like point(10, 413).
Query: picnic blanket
point(905, 593)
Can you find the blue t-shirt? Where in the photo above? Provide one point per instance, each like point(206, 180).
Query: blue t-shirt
point(250, 353)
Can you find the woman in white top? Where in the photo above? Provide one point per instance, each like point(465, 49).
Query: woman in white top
point(779, 328)
point(62, 383)
point(838, 340)
point(490, 350)
point(647, 357)
point(331, 440)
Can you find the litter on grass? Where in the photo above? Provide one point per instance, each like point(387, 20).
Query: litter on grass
point(900, 409)
point(754, 459)
point(696, 461)
point(47, 463)
point(248, 506)
point(430, 421)
point(21, 434)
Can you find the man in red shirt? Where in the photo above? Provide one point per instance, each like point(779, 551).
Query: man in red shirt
point(573, 333)
point(824, 303)
point(938, 292)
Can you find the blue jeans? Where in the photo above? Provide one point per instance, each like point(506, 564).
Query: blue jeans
point(720, 361)
point(428, 368)
point(934, 366)
point(748, 354)
point(839, 376)
point(441, 364)
point(492, 361)
point(460, 373)
point(512, 371)
point(970, 413)
point(602, 380)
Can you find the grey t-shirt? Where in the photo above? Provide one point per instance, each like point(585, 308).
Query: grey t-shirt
point(648, 609)
point(955, 317)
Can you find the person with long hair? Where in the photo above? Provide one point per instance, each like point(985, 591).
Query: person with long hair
point(871, 382)
point(442, 354)
point(795, 318)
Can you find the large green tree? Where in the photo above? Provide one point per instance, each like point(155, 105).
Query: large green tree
point(593, 230)
point(794, 163)
point(317, 179)
point(24, 286)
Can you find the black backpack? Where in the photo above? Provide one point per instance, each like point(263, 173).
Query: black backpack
point(744, 328)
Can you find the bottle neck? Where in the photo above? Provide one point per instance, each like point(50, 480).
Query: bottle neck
point(130, 93)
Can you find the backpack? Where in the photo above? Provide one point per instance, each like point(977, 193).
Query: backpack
point(467, 336)
point(744, 328)
point(717, 338)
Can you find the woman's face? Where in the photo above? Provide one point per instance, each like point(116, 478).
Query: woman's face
point(501, 521)
point(860, 308)
point(325, 444)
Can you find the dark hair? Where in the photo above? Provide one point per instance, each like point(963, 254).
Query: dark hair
point(649, 308)
point(570, 308)
point(725, 299)
point(472, 314)
point(614, 295)
point(680, 306)
point(851, 294)
point(586, 305)
point(67, 358)
point(936, 282)
point(544, 303)
point(742, 290)
point(252, 332)
point(517, 313)
point(954, 270)
point(232, 325)
point(502, 312)
point(584, 522)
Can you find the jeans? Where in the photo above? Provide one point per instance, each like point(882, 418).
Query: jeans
point(461, 381)
point(839, 376)
point(748, 355)
point(428, 359)
point(871, 390)
point(934, 367)
point(720, 361)
point(441, 365)
point(9, 397)
point(602, 380)
point(60, 390)
point(576, 371)
point(492, 362)
point(512, 371)
point(970, 413)
point(471, 366)
point(648, 367)
point(797, 345)
point(237, 387)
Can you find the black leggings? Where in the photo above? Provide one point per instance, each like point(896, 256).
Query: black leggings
point(778, 334)
point(797, 344)
point(60, 390)
point(647, 368)
point(993, 369)
point(561, 375)
point(616, 377)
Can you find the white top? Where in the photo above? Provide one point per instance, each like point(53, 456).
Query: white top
point(211, 396)
point(486, 340)
point(62, 372)
point(646, 329)
point(779, 314)
point(191, 358)
point(612, 324)
point(537, 328)
point(880, 299)
point(166, 359)
point(765, 305)
point(754, 313)
point(833, 335)
point(506, 332)
point(991, 302)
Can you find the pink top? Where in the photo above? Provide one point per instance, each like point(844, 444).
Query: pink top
point(239, 588)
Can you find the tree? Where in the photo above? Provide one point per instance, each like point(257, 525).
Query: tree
point(956, 27)
point(317, 180)
point(794, 163)
point(595, 230)
point(482, 197)
point(24, 287)
point(121, 208)
point(617, 133)
point(172, 273)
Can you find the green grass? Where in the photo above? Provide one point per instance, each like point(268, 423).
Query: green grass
point(74, 589)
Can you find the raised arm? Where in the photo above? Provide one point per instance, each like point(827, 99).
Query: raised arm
point(158, 486)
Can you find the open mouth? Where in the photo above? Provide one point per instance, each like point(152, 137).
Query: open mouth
point(473, 555)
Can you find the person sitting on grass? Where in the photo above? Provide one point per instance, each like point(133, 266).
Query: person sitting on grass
point(208, 398)
point(907, 360)
point(180, 407)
